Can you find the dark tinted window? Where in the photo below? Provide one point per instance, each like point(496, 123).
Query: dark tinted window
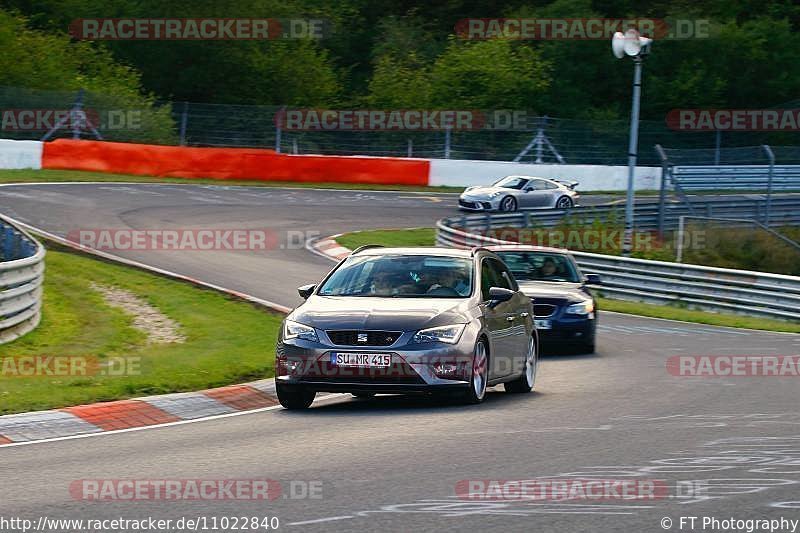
point(540, 266)
point(409, 276)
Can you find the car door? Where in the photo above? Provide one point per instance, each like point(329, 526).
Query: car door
point(522, 311)
point(536, 194)
point(500, 320)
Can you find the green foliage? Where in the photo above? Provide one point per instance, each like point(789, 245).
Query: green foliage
point(391, 54)
point(37, 60)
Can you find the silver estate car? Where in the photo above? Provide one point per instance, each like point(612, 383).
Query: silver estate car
point(519, 192)
point(408, 320)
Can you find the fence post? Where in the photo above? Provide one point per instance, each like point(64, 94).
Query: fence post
point(662, 193)
point(447, 143)
point(410, 148)
point(184, 122)
point(681, 223)
point(771, 156)
point(279, 116)
point(718, 146)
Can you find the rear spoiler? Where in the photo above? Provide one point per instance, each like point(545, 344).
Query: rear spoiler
point(569, 184)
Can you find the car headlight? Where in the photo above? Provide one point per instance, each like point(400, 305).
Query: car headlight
point(296, 330)
point(447, 334)
point(583, 308)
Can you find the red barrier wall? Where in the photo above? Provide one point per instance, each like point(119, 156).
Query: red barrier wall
point(229, 163)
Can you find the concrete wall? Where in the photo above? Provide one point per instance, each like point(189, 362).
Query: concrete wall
point(459, 173)
point(20, 154)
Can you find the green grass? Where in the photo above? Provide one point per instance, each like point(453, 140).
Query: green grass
point(405, 237)
point(34, 176)
point(700, 317)
point(228, 340)
point(427, 237)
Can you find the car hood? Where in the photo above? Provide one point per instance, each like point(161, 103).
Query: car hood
point(548, 290)
point(484, 192)
point(388, 314)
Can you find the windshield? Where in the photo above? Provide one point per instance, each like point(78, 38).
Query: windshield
point(511, 182)
point(401, 276)
point(540, 266)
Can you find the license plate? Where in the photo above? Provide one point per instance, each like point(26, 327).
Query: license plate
point(542, 324)
point(361, 359)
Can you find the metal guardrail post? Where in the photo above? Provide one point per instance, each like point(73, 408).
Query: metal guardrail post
point(771, 157)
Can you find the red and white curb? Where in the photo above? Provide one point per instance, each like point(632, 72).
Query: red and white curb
point(329, 248)
point(136, 413)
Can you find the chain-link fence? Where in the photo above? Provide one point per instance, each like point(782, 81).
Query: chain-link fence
point(532, 139)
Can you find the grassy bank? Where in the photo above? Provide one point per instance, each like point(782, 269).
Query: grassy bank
point(427, 237)
point(227, 341)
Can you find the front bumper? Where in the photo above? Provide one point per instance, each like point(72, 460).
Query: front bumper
point(413, 367)
point(468, 203)
point(569, 329)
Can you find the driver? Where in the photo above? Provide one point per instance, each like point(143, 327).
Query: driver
point(452, 278)
point(548, 269)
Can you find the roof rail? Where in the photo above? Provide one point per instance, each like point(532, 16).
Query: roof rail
point(476, 249)
point(365, 247)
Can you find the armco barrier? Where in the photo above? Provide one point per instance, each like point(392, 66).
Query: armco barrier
point(21, 278)
point(713, 289)
point(784, 210)
point(737, 177)
point(230, 163)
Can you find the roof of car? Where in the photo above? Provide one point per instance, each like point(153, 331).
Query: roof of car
point(527, 248)
point(429, 250)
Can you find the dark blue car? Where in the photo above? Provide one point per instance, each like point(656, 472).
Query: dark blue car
point(565, 311)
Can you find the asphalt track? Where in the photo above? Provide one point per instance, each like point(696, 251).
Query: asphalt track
point(394, 463)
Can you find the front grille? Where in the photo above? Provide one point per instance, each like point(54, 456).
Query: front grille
point(543, 310)
point(463, 203)
point(363, 338)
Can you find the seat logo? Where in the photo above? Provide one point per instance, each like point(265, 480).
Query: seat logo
point(362, 337)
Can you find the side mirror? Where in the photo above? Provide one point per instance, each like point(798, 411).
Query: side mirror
point(593, 279)
point(499, 295)
point(305, 291)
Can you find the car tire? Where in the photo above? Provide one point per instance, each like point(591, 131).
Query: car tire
point(527, 380)
point(564, 202)
point(588, 346)
point(363, 395)
point(508, 204)
point(294, 398)
point(480, 371)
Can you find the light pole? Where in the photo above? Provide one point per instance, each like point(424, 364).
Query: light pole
point(635, 46)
